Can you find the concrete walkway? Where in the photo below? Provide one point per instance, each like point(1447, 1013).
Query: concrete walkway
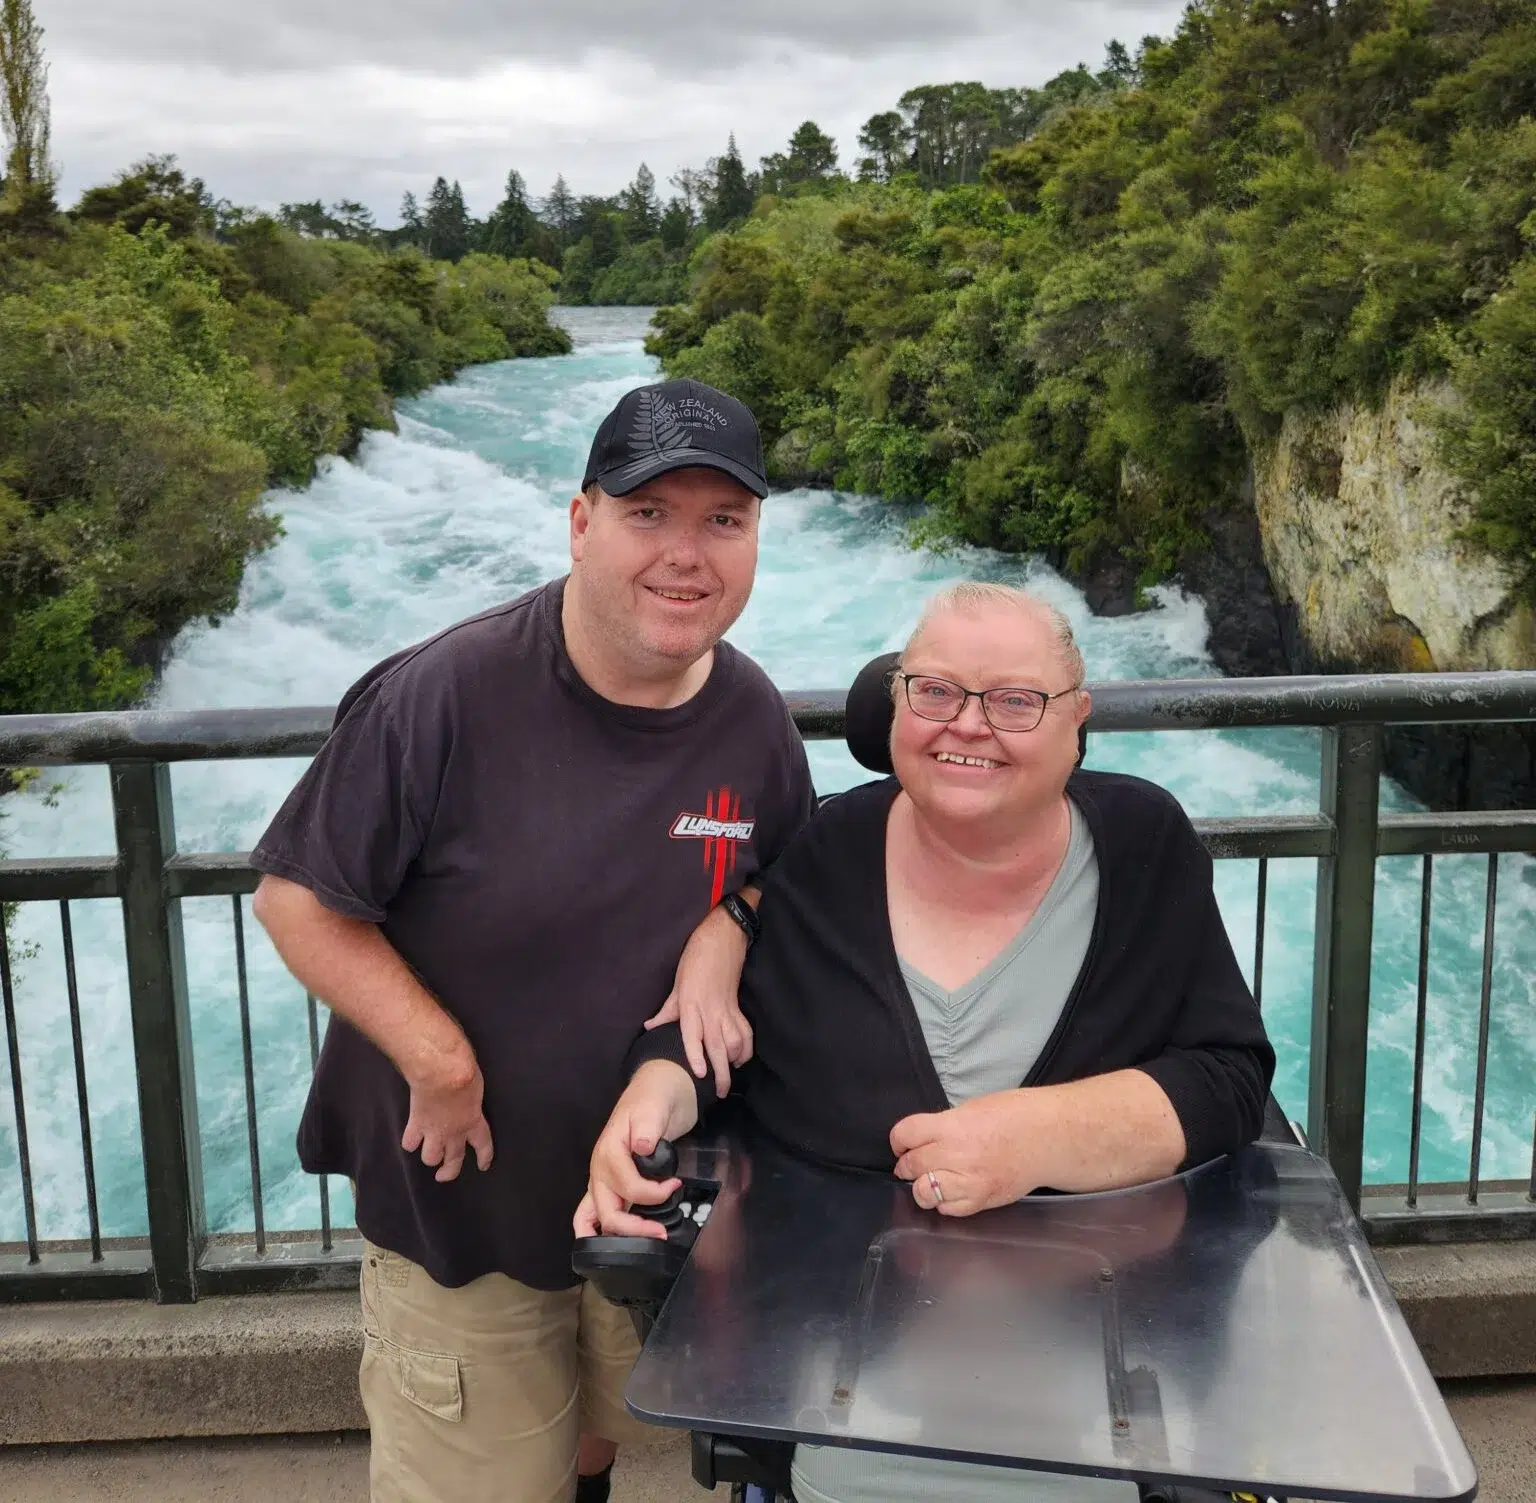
point(1497, 1418)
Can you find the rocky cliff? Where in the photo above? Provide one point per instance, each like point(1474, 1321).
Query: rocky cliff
point(1360, 532)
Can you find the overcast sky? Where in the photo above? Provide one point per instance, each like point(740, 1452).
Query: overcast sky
point(303, 99)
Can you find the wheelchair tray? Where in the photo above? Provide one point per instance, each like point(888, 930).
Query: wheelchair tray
point(1228, 1328)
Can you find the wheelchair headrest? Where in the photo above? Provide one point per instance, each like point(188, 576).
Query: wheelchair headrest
point(871, 711)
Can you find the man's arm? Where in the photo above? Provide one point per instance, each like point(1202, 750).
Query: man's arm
point(350, 966)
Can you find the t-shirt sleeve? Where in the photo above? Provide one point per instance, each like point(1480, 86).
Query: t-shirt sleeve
point(357, 819)
point(794, 797)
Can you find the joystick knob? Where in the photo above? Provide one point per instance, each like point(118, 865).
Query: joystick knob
point(661, 1164)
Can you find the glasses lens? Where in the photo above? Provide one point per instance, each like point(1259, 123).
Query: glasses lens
point(934, 698)
point(1013, 709)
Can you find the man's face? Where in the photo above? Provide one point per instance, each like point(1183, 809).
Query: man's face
point(666, 570)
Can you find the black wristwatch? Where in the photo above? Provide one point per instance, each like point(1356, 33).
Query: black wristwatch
point(744, 914)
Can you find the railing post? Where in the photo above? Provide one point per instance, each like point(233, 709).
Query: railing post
point(1341, 965)
point(162, 1033)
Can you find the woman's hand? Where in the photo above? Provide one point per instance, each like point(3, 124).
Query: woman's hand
point(659, 1103)
point(1107, 1132)
point(972, 1157)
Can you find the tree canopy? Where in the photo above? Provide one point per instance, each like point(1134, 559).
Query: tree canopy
point(168, 358)
point(1067, 317)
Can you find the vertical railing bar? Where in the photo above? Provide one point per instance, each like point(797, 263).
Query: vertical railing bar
point(1258, 939)
point(66, 929)
point(155, 951)
point(1341, 963)
point(13, 1046)
point(325, 1183)
point(1426, 888)
point(1484, 1009)
point(250, 1073)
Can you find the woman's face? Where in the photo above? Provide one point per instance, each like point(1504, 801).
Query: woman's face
point(963, 769)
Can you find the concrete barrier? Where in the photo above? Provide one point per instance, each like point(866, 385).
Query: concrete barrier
point(285, 1364)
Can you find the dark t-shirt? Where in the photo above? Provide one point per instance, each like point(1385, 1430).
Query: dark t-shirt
point(539, 856)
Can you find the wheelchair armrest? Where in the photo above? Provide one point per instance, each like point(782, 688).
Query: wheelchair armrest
point(1277, 1126)
point(734, 1459)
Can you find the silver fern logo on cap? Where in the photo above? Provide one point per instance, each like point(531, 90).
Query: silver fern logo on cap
point(656, 424)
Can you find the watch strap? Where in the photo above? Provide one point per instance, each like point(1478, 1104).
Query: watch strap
point(744, 914)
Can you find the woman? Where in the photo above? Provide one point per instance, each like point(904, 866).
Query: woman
point(990, 974)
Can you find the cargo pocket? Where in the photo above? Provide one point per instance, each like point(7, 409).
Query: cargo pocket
point(429, 1380)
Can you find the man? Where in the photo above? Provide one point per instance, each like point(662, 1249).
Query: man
point(489, 874)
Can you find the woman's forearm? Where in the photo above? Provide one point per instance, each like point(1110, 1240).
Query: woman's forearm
point(1104, 1133)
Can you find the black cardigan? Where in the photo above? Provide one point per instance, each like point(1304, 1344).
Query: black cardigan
point(839, 1054)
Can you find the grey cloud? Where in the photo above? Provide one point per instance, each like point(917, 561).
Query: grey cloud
point(276, 108)
point(678, 38)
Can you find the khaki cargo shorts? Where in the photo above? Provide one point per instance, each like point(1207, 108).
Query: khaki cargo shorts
point(480, 1393)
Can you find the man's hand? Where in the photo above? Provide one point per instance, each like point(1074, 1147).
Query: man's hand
point(659, 1103)
point(980, 1153)
point(447, 1119)
point(704, 997)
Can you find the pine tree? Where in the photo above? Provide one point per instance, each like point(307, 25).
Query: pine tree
point(1119, 70)
point(512, 225)
point(731, 198)
point(558, 211)
point(446, 222)
point(413, 231)
point(641, 207)
point(29, 177)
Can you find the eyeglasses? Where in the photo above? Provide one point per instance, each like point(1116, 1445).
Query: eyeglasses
point(1005, 709)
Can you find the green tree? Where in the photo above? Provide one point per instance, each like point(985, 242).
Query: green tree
point(26, 191)
point(412, 228)
point(354, 221)
point(154, 191)
point(810, 159)
point(512, 227)
point(640, 207)
point(445, 224)
point(887, 144)
point(1104, 293)
point(1119, 70)
point(311, 219)
point(677, 224)
point(558, 211)
point(730, 195)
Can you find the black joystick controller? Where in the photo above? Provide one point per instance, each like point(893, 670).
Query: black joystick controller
point(659, 1165)
point(639, 1271)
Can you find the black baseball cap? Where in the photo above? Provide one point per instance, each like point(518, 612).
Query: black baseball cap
point(675, 425)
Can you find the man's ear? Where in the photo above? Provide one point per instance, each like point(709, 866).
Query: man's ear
point(581, 523)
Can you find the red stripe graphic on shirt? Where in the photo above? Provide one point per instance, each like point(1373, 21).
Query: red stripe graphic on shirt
point(720, 829)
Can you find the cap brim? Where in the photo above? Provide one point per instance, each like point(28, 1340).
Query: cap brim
point(625, 478)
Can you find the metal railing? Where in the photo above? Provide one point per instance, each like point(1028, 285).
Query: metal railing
point(179, 1260)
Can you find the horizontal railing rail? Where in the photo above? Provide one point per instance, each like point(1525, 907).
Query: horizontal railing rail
point(1186, 704)
point(180, 1259)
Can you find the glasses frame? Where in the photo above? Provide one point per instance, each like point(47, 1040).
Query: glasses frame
point(980, 695)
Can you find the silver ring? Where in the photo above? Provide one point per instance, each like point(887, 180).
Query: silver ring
point(933, 1184)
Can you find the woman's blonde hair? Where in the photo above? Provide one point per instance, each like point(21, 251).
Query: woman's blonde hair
point(971, 594)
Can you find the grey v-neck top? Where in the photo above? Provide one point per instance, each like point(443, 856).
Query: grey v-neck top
point(985, 1036)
